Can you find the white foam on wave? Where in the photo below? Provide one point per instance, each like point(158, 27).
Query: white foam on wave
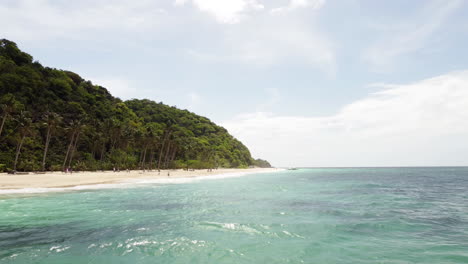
point(64, 189)
point(181, 180)
point(133, 183)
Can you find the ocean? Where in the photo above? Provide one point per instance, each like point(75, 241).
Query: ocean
point(319, 215)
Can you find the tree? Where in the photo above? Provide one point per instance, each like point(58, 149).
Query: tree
point(167, 134)
point(74, 129)
point(25, 129)
point(51, 121)
point(9, 49)
point(8, 105)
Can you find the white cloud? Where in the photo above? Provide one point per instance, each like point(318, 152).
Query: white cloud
point(294, 4)
point(261, 40)
point(225, 11)
point(410, 35)
point(278, 39)
point(266, 40)
point(422, 123)
point(39, 19)
point(180, 2)
point(233, 11)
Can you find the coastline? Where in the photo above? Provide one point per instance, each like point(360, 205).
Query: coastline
point(56, 180)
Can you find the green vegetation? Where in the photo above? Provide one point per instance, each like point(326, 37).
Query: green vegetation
point(261, 163)
point(52, 120)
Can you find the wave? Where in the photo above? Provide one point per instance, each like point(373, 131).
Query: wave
point(199, 178)
point(64, 189)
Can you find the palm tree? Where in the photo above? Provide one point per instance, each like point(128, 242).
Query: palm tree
point(75, 130)
point(8, 105)
point(149, 136)
point(25, 129)
point(167, 134)
point(52, 120)
point(5, 113)
point(80, 128)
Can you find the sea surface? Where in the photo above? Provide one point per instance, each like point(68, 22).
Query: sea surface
point(329, 215)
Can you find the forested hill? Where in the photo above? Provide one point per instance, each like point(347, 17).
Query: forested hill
point(53, 119)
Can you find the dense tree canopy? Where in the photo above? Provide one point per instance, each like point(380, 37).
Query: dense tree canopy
point(53, 119)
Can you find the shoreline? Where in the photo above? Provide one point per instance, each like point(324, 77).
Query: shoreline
point(54, 181)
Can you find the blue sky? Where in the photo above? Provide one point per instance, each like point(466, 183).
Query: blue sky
point(300, 82)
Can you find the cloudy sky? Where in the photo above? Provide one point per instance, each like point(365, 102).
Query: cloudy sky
point(300, 82)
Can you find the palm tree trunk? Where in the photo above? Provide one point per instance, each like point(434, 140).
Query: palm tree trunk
point(166, 157)
point(93, 153)
point(18, 150)
point(73, 149)
point(162, 149)
point(113, 144)
point(151, 159)
point(102, 151)
point(46, 148)
point(173, 154)
point(160, 155)
point(68, 151)
point(3, 123)
point(143, 159)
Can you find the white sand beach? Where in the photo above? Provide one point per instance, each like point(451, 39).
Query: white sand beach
point(61, 180)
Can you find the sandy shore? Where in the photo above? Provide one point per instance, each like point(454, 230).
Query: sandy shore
point(60, 179)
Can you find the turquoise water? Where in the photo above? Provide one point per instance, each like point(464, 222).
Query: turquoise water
point(358, 215)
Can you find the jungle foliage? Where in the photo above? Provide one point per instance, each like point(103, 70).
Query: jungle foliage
point(52, 119)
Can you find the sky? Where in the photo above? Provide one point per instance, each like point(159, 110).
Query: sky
point(299, 82)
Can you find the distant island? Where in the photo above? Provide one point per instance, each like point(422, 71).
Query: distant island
point(54, 120)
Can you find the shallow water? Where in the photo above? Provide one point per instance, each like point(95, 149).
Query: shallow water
point(357, 215)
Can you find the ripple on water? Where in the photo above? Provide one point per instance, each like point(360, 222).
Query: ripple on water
point(361, 215)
